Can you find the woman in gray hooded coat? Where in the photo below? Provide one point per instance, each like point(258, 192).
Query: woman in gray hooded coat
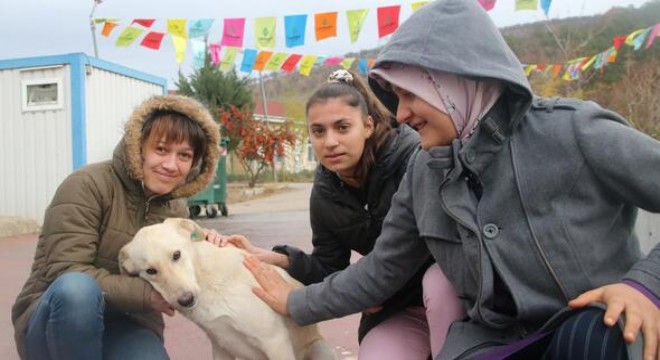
point(527, 204)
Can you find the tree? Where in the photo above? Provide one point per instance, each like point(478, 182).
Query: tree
point(217, 90)
point(256, 143)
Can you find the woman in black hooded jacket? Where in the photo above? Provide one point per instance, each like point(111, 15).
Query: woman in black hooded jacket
point(362, 161)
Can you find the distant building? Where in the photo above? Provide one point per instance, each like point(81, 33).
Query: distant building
point(58, 113)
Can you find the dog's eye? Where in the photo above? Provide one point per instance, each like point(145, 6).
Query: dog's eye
point(152, 271)
point(176, 256)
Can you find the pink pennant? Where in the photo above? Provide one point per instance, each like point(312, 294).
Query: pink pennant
point(488, 5)
point(233, 32)
point(654, 33)
point(215, 53)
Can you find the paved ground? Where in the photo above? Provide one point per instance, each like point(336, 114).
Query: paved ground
point(280, 218)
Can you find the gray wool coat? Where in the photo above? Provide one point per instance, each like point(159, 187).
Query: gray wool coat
point(561, 181)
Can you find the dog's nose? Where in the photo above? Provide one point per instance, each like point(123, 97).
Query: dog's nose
point(187, 299)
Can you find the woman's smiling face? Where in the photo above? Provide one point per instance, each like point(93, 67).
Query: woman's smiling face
point(165, 165)
point(435, 127)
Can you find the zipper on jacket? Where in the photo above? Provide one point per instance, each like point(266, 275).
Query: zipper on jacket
point(531, 228)
point(147, 205)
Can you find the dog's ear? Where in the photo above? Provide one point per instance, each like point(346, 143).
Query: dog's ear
point(126, 266)
point(188, 228)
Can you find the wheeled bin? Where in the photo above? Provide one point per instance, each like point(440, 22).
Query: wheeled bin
point(214, 197)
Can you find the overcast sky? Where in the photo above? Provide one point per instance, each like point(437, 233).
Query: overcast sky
point(53, 27)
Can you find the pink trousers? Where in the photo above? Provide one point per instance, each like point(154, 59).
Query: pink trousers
point(416, 332)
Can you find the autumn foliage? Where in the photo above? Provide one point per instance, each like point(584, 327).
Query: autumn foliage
point(256, 142)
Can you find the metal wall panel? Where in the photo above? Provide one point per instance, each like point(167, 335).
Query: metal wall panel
point(35, 145)
point(110, 99)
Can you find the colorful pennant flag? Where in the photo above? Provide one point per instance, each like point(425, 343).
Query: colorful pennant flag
point(233, 32)
point(291, 62)
point(228, 58)
point(198, 48)
point(527, 5)
point(108, 26)
point(488, 5)
point(199, 28)
point(545, 5)
point(179, 48)
point(388, 20)
point(249, 58)
point(618, 41)
point(294, 30)
point(153, 40)
point(177, 27)
point(347, 62)
point(306, 64)
point(275, 62)
point(262, 59)
point(416, 5)
point(654, 33)
point(355, 20)
point(144, 22)
point(639, 40)
point(332, 61)
point(128, 36)
point(214, 49)
point(264, 32)
point(363, 68)
point(325, 25)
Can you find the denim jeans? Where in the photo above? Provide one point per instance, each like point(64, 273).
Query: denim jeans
point(69, 323)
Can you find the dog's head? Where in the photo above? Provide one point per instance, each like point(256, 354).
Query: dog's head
point(163, 255)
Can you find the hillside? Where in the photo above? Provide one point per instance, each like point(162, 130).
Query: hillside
point(628, 86)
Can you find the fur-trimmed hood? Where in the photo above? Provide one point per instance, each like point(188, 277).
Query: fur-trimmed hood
point(204, 173)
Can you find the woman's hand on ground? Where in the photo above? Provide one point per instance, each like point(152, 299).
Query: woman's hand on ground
point(640, 313)
point(274, 290)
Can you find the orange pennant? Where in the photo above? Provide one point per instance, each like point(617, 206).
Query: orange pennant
point(108, 26)
point(262, 59)
point(325, 25)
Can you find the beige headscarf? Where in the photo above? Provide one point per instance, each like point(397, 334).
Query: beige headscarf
point(466, 101)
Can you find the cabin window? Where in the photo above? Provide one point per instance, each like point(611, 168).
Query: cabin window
point(42, 94)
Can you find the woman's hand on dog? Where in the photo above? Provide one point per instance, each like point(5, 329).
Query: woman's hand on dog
point(213, 236)
point(274, 290)
point(267, 256)
point(158, 303)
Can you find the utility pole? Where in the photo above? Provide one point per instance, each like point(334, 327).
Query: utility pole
point(265, 109)
point(92, 26)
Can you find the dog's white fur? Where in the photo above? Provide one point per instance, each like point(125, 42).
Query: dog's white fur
point(210, 286)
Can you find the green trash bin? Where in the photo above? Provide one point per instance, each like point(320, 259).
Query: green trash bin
point(213, 198)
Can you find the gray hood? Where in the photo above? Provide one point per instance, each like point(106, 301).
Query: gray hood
point(456, 36)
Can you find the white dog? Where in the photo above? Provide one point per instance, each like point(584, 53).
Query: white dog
point(210, 286)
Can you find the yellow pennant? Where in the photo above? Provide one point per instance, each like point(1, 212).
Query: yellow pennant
point(355, 21)
point(306, 64)
point(177, 27)
point(179, 48)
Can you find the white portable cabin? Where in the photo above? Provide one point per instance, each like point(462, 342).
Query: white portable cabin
point(58, 113)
